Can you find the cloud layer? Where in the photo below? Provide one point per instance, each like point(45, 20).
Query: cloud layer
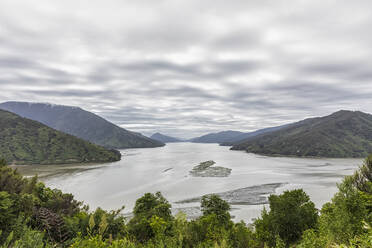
point(185, 68)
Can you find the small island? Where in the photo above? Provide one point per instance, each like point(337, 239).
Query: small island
point(206, 169)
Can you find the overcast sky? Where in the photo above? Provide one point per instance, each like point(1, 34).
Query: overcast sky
point(187, 67)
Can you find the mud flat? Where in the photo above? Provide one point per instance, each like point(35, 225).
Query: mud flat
point(192, 213)
point(253, 195)
point(59, 170)
point(207, 169)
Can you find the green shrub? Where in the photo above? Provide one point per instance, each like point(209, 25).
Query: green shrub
point(291, 213)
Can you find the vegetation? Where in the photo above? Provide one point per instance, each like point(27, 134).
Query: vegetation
point(204, 165)
point(290, 215)
point(81, 123)
point(342, 134)
point(24, 141)
point(206, 169)
point(33, 215)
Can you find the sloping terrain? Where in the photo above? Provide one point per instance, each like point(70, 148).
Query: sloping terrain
point(164, 138)
point(81, 123)
point(220, 137)
point(24, 141)
point(341, 134)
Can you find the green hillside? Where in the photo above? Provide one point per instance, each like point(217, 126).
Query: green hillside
point(82, 124)
point(24, 141)
point(341, 134)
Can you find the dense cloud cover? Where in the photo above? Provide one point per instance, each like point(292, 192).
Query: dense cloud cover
point(189, 67)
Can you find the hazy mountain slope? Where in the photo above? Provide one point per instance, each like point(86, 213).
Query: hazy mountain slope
point(80, 123)
point(24, 141)
point(240, 138)
point(164, 138)
point(220, 137)
point(341, 134)
point(229, 138)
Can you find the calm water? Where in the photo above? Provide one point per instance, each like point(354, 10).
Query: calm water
point(166, 169)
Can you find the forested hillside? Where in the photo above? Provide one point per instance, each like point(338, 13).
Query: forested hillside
point(81, 123)
point(341, 134)
point(25, 141)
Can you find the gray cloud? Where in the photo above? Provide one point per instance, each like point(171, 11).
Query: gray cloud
point(189, 67)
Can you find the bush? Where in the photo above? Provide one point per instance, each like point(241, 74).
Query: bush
point(145, 210)
point(312, 239)
point(343, 218)
point(213, 204)
point(241, 236)
point(291, 213)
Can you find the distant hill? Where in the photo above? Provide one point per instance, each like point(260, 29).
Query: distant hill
point(238, 139)
point(24, 141)
point(164, 138)
point(229, 138)
point(80, 123)
point(220, 137)
point(341, 134)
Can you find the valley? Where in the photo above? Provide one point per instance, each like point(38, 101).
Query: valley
point(253, 178)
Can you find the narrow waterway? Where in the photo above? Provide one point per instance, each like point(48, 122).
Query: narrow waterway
point(166, 169)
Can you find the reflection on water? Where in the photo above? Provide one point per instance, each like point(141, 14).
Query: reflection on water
point(166, 169)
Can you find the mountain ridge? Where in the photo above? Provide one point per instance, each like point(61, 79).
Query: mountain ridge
point(80, 123)
point(25, 141)
point(341, 134)
point(165, 138)
point(229, 137)
point(218, 137)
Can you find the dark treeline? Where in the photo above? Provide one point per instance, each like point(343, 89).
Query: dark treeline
point(33, 215)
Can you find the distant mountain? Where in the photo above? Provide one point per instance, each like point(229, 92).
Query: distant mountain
point(220, 137)
point(164, 138)
point(24, 141)
point(341, 134)
point(229, 138)
point(80, 123)
point(244, 136)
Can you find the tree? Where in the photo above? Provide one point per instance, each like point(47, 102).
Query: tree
point(153, 204)
point(145, 209)
point(213, 204)
point(291, 213)
point(362, 178)
point(213, 226)
point(242, 236)
point(312, 239)
point(343, 218)
point(11, 181)
point(7, 213)
point(2, 162)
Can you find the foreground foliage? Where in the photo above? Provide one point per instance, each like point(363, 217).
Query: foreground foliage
point(290, 215)
point(33, 215)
